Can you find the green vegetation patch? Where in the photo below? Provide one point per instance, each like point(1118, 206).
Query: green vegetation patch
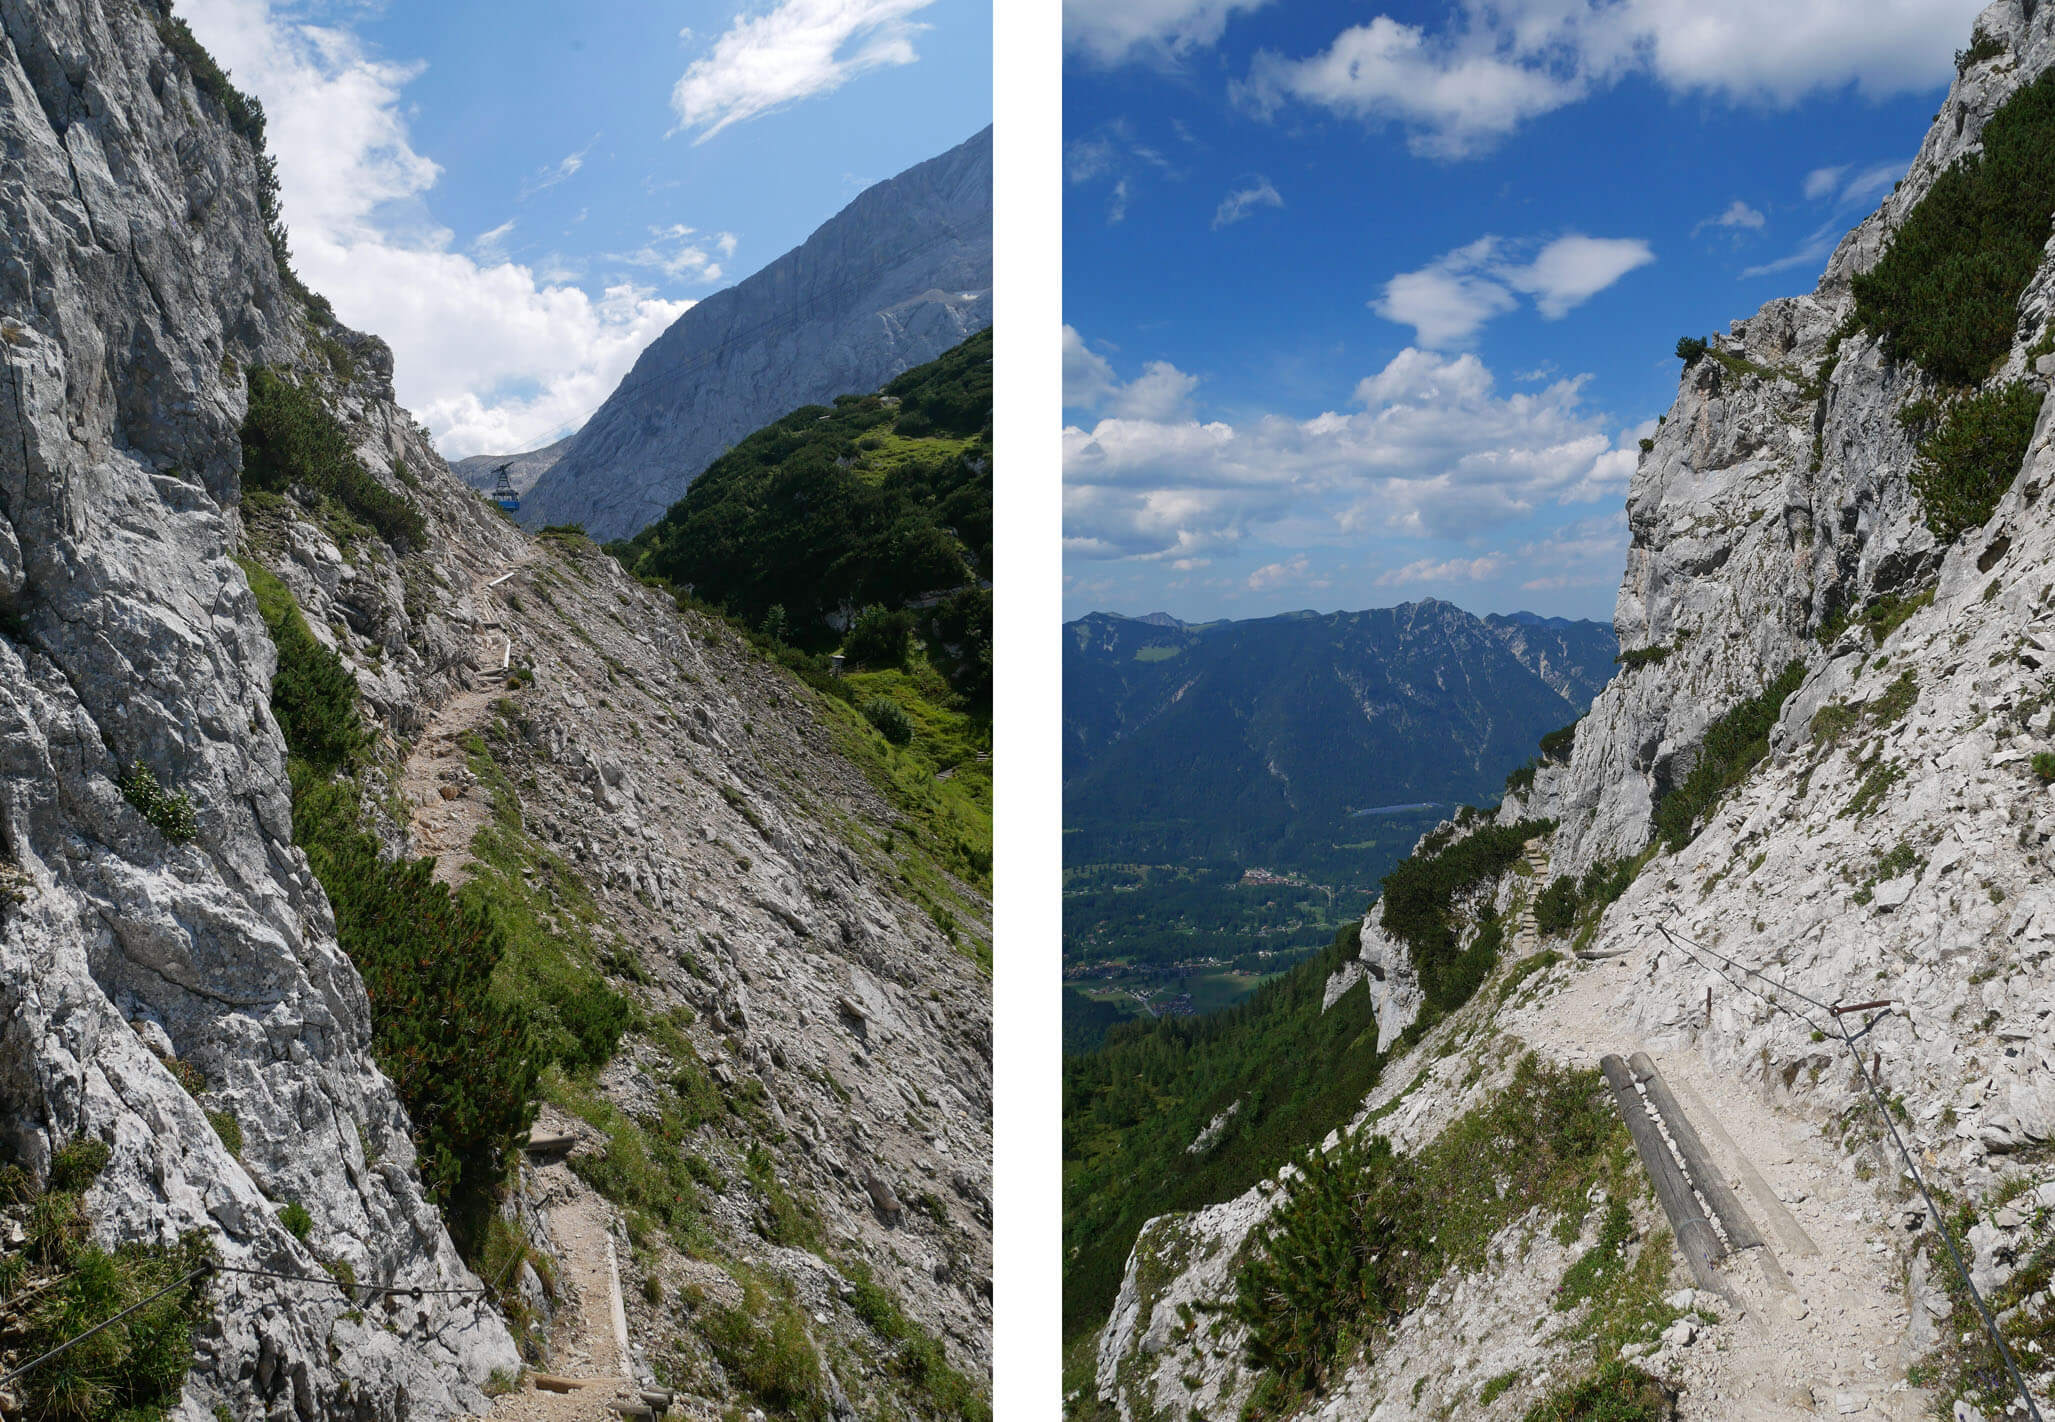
point(1881, 616)
point(1946, 293)
point(1132, 1108)
point(1617, 1392)
point(60, 1284)
point(291, 441)
point(917, 1358)
point(1364, 1231)
point(1733, 746)
point(464, 1063)
point(1643, 657)
point(763, 1347)
point(881, 499)
point(1972, 456)
point(1419, 907)
point(172, 814)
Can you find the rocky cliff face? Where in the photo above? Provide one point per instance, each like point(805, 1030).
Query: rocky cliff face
point(693, 793)
point(136, 287)
point(899, 276)
point(1894, 843)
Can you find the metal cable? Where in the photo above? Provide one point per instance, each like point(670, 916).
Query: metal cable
point(1884, 1114)
point(108, 1323)
point(413, 1290)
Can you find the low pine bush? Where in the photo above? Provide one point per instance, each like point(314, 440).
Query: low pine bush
point(173, 815)
point(1946, 293)
point(890, 718)
point(291, 440)
point(1972, 456)
point(1733, 745)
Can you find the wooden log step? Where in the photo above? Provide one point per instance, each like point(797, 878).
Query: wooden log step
point(540, 1143)
point(549, 1382)
point(1695, 1238)
point(1698, 1162)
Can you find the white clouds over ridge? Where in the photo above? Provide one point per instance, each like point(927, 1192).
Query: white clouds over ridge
point(796, 50)
point(488, 355)
point(1458, 91)
point(1448, 301)
point(1157, 30)
point(1430, 450)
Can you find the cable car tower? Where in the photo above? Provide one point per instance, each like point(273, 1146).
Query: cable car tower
point(503, 492)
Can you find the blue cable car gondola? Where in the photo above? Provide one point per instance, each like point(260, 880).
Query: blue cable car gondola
point(503, 492)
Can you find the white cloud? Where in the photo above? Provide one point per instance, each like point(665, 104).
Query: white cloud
point(1159, 31)
point(680, 253)
point(1500, 63)
point(1589, 553)
point(491, 246)
point(549, 176)
point(1160, 392)
point(1295, 571)
point(1443, 570)
point(1448, 301)
point(1243, 201)
point(798, 50)
point(1428, 449)
point(1454, 97)
point(1822, 181)
point(1737, 214)
point(1116, 203)
point(489, 354)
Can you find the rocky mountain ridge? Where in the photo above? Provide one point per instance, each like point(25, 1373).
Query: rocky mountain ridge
point(1889, 839)
point(892, 281)
point(177, 991)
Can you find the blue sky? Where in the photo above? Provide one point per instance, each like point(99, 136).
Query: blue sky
point(519, 194)
point(1371, 302)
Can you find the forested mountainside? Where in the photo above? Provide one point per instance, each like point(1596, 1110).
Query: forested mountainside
point(511, 964)
point(901, 275)
point(852, 525)
point(1234, 791)
point(1820, 779)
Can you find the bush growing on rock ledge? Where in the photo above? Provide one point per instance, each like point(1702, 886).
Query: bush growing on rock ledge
point(1972, 456)
point(173, 815)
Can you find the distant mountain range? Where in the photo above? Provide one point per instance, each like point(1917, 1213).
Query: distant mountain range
point(901, 275)
point(1234, 739)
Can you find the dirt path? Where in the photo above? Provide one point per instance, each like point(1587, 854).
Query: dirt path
point(585, 1336)
point(1841, 1346)
point(446, 808)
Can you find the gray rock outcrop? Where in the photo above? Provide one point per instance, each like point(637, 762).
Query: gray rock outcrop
point(136, 286)
point(892, 281)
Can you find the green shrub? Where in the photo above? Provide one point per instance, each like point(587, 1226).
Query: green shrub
point(879, 638)
point(1690, 350)
point(313, 694)
point(290, 439)
point(1521, 778)
point(229, 1129)
point(1364, 1232)
point(173, 815)
point(1642, 656)
point(1983, 45)
point(890, 718)
point(1971, 458)
point(1557, 744)
point(1617, 1392)
point(772, 1361)
point(462, 1060)
point(1419, 896)
point(77, 1163)
point(920, 1359)
point(298, 1223)
point(2044, 766)
point(1555, 911)
point(1733, 746)
point(1946, 293)
point(131, 1371)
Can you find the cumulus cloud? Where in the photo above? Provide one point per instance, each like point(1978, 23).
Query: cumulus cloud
point(1160, 392)
point(1499, 63)
point(1156, 31)
point(1738, 214)
point(1295, 571)
point(1454, 98)
point(1443, 570)
point(1245, 200)
point(795, 51)
point(1448, 301)
point(487, 352)
point(1428, 449)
